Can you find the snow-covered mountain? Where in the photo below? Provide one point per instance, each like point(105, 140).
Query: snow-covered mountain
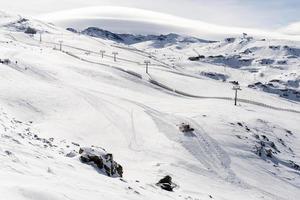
point(129, 39)
point(254, 56)
point(79, 123)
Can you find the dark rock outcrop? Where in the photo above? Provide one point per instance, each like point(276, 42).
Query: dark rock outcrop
point(166, 183)
point(196, 58)
point(72, 30)
point(215, 76)
point(102, 160)
point(30, 30)
point(183, 127)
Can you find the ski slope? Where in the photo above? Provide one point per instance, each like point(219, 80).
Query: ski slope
point(74, 96)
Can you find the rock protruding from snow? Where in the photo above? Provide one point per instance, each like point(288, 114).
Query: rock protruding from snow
point(166, 183)
point(183, 127)
point(100, 33)
point(30, 30)
point(99, 158)
point(72, 30)
point(285, 89)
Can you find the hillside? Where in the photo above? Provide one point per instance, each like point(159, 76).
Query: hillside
point(59, 94)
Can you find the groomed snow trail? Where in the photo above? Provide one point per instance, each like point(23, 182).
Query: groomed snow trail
point(157, 83)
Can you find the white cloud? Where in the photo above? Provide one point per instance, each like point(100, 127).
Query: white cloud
point(142, 21)
point(291, 29)
point(267, 14)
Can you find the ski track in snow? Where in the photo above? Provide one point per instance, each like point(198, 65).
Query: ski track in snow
point(205, 149)
point(202, 147)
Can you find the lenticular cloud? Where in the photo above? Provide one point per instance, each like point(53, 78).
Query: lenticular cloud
point(145, 21)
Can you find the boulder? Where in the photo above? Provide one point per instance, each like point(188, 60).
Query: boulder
point(30, 30)
point(261, 151)
point(185, 128)
point(72, 30)
point(294, 165)
point(71, 154)
point(166, 183)
point(196, 58)
point(102, 160)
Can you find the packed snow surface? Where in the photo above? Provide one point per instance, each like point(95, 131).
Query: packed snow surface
point(59, 94)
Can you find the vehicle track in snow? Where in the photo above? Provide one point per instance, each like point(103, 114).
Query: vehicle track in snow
point(206, 150)
point(113, 112)
point(214, 161)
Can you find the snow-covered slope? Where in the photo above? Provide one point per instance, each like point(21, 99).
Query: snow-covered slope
point(53, 101)
point(268, 65)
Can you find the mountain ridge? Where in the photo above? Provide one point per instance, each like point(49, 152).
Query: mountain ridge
point(130, 39)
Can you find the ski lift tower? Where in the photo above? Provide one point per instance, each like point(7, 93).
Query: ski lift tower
point(115, 56)
point(41, 32)
point(60, 44)
point(236, 88)
point(147, 62)
point(102, 53)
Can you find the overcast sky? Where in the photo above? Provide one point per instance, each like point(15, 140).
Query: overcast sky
point(265, 14)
